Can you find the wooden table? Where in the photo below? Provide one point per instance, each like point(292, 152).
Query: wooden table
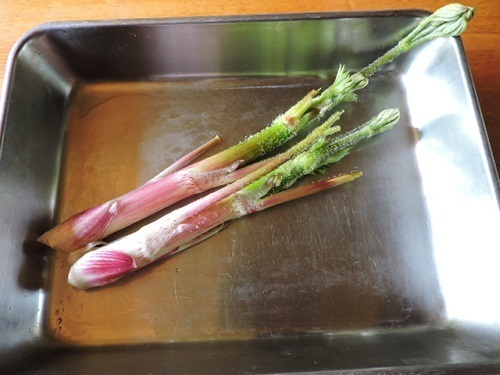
point(481, 40)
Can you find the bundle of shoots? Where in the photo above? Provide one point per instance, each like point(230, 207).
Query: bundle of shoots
point(181, 181)
point(200, 219)
point(172, 186)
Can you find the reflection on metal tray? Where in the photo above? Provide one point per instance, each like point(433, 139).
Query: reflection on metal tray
point(395, 271)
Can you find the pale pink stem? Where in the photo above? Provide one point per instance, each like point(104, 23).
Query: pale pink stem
point(117, 259)
point(101, 221)
point(303, 191)
point(151, 197)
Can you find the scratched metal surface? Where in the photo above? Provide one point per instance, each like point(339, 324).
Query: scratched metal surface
point(405, 254)
point(307, 266)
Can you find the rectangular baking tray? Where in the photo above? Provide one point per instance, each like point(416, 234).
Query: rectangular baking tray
point(396, 272)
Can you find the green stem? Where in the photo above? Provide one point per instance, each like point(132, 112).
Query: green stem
point(282, 128)
point(330, 150)
point(450, 20)
point(302, 191)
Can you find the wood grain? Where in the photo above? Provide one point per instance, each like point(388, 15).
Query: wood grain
point(481, 40)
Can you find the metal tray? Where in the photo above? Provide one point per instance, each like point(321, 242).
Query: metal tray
point(397, 272)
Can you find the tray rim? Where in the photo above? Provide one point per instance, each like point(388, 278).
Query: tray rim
point(202, 20)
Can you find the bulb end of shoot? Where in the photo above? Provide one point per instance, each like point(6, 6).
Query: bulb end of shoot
point(80, 229)
point(100, 267)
